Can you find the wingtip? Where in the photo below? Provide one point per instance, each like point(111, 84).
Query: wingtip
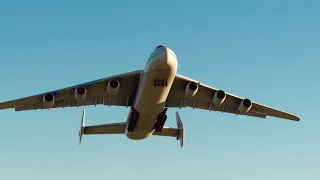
point(295, 118)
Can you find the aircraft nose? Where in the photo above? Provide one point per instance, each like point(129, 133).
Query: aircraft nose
point(170, 54)
point(172, 60)
point(165, 60)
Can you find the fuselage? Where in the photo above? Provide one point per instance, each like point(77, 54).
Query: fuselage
point(151, 98)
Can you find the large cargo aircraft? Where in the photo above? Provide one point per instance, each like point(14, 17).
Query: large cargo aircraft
point(148, 93)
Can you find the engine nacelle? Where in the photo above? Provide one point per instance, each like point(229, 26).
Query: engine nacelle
point(191, 89)
point(113, 87)
point(48, 100)
point(219, 97)
point(245, 106)
point(80, 93)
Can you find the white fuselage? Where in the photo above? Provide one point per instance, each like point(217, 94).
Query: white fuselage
point(150, 100)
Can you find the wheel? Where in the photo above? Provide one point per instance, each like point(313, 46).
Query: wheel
point(156, 82)
point(162, 82)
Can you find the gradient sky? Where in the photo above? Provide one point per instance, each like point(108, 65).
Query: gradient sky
point(264, 50)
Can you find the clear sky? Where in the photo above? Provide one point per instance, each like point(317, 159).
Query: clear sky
point(265, 50)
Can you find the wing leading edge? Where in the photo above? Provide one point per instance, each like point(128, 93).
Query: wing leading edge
point(204, 99)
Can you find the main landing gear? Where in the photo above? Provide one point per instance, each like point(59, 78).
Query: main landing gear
point(134, 115)
point(162, 117)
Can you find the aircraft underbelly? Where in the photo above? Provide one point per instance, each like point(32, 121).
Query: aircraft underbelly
point(150, 101)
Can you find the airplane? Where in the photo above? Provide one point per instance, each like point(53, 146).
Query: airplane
point(149, 93)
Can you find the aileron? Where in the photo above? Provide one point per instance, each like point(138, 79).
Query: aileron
point(274, 112)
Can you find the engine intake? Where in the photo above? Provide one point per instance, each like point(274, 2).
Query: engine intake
point(191, 89)
point(245, 106)
point(48, 100)
point(113, 87)
point(80, 93)
point(219, 97)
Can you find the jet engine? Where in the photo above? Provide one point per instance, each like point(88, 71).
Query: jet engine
point(48, 100)
point(245, 106)
point(80, 93)
point(219, 97)
point(113, 87)
point(191, 89)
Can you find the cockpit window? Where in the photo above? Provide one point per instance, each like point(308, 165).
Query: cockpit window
point(160, 46)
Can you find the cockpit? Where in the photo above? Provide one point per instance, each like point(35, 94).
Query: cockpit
point(160, 46)
point(158, 50)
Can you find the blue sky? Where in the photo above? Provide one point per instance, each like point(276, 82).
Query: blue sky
point(265, 50)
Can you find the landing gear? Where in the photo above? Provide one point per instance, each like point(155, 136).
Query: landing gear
point(160, 121)
point(159, 82)
point(134, 115)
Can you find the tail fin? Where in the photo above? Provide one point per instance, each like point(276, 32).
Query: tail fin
point(81, 131)
point(180, 129)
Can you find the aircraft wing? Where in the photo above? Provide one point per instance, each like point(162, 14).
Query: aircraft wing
point(96, 94)
point(204, 96)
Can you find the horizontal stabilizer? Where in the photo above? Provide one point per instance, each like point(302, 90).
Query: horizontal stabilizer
point(167, 131)
point(115, 128)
